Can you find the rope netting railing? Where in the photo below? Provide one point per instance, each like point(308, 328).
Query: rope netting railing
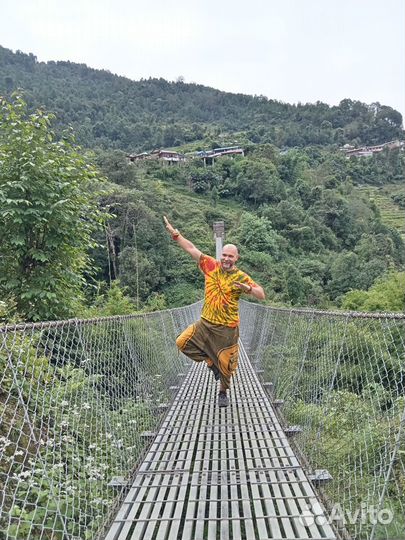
point(77, 399)
point(340, 379)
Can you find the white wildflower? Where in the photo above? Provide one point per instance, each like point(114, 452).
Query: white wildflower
point(5, 442)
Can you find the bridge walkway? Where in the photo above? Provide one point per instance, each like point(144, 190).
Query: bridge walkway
point(220, 474)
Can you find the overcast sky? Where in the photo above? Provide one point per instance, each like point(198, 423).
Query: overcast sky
point(289, 50)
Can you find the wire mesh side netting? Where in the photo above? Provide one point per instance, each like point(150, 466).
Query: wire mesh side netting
point(341, 377)
point(76, 398)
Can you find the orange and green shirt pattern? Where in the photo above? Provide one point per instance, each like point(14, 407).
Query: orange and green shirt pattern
point(221, 302)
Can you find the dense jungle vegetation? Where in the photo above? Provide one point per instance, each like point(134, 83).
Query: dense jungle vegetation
point(308, 226)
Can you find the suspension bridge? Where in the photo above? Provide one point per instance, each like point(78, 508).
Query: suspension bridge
point(107, 432)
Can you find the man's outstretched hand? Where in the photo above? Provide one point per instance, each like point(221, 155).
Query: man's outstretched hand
point(169, 226)
point(185, 244)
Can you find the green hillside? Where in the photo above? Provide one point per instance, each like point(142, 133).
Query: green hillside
point(302, 231)
point(291, 203)
point(392, 214)
point(109, 111)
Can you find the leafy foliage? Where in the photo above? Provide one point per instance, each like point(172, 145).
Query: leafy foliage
point(386, 294)
point(48, 214)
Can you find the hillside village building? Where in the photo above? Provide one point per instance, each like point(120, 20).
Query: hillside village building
point(174, 158)
point(208, 156)
point(366, 151)
point(168, 156)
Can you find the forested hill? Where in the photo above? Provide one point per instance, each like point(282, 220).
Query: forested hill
point(109, 111)
point(313, 227)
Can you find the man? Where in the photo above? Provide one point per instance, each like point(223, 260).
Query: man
point(214, 338)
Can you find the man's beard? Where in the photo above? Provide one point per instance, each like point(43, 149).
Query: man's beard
point(227, 265)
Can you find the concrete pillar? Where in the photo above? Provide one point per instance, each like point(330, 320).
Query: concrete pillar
point(219, 235)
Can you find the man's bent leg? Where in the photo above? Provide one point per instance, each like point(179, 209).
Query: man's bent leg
point(192, 342)
point(189, 344)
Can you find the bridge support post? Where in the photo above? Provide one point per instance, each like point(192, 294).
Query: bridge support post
point(219, 235)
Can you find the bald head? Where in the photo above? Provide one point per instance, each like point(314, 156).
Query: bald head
point(231, 248)
point(230, 255)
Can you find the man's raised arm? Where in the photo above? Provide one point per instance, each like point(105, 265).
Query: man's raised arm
point(185, 244)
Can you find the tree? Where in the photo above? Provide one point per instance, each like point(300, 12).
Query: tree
point(202, 180)
point(257, 234)
point(138, 273)
point(387, 294)
point(48, 214)
point(292, 166)
point(344, 273)
point(258, 181)
point(297, 287)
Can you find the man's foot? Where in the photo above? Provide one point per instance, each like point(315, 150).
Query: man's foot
point(215, 371)
point(223, 400)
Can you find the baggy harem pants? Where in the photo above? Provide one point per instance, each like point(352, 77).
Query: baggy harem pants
point(216, 344)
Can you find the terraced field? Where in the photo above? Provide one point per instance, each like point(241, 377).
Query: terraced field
point(391, 213)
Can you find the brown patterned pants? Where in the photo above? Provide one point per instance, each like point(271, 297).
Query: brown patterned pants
point(214, 344)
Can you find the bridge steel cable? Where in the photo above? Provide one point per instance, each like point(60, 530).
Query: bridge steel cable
point(106, 431)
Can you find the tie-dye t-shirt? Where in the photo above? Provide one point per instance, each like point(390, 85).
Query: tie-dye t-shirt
point(221, 295)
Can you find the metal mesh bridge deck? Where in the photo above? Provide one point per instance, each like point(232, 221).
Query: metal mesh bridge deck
point(220, 474)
